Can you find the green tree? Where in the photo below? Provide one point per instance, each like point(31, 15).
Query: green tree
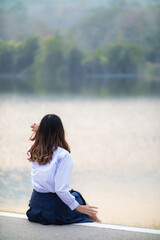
point(25, 53)
point(75, 69)
point(95, 70)
point(125, 58)
point(50, 64)
point(153, 35)
point(7, 50)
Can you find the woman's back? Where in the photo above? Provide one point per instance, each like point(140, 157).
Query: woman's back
point(44, 177)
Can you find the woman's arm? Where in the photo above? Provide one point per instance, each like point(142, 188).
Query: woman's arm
point(62, 187)
point(61, 181)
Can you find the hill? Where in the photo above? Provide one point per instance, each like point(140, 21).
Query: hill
point(23, 18)
point(136, 25)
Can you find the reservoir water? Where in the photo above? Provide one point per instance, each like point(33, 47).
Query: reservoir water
point(115, 144)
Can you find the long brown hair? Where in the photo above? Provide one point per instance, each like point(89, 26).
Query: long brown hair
point(49, 136)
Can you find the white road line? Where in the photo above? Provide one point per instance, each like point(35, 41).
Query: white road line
point(119, 227)
point(16, 215)
point(98, 225)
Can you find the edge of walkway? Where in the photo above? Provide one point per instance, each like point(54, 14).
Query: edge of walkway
point(94, 224)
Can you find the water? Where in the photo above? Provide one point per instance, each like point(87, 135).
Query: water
point(115, 144)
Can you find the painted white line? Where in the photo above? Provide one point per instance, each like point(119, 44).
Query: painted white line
point(16, 215)
point(119, 227)
point(94, 224)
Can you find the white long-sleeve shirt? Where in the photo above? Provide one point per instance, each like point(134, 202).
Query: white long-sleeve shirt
point(54, 177)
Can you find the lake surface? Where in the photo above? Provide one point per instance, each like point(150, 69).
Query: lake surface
point(115, 144)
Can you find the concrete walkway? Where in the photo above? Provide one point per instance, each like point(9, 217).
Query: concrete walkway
point(17, 227)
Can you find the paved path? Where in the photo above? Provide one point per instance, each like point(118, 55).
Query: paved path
point(14, 228)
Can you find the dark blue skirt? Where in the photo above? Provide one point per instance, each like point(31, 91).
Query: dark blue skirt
point(48, 208)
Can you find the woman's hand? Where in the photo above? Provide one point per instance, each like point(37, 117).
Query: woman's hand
point(34, 127)
point(86, 209)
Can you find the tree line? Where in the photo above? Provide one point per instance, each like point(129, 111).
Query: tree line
point(112, 50)
point(54, 65)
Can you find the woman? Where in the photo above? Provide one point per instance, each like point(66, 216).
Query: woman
point(52, 202)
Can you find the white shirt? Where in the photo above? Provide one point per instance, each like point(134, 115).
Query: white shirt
point(54, 177)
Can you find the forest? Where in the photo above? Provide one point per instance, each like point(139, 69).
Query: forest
point(113, 49)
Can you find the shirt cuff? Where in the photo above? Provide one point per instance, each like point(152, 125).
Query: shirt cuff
point(73, 205)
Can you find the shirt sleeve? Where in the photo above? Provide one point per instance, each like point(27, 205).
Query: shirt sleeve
point(62, 181)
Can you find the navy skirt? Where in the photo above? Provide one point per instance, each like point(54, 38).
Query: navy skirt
point(48, 208)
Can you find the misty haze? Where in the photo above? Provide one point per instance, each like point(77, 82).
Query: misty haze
point(96, 64)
